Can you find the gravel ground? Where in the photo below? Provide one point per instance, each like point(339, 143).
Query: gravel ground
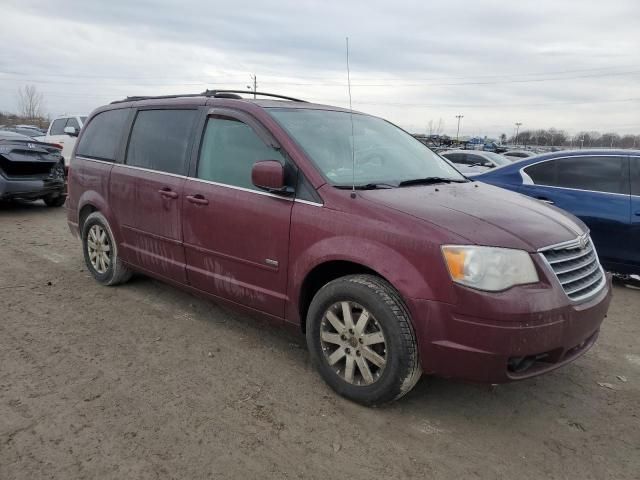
point(146, 381)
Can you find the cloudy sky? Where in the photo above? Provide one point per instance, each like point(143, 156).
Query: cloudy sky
point(569, 64)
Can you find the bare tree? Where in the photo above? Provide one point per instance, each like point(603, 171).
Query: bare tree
point(436, 129)
point(30, 102)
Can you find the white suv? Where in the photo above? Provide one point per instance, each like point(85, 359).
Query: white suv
point(64, 131)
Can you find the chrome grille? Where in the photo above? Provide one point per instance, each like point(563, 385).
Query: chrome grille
point(576, 267)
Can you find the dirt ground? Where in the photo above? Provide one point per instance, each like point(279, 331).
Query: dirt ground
point(146, 381)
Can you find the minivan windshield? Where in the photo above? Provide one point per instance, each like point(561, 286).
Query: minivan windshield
point(385, 156)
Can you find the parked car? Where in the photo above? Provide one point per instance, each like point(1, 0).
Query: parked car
point(393, 268)
point(474, 162)
point(30, 170)
point(601, 187)
point(27, 130)
point(514, 155)
point(64, 131)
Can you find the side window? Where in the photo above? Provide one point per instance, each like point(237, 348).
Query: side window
point(455, 158)
point(635, 175)
point(160, 140)
point(72, 122)
point(475, 159)
point(544, 173)
point(601, 174)
point(101, 137)
point(57, 128)
point(229, 150)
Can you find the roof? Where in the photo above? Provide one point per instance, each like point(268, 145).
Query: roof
point(588, 151)
point(460, 150)
point(211, 97)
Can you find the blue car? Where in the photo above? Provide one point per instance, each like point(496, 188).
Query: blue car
point(601, 187)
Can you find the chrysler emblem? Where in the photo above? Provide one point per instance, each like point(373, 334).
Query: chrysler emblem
point(583, 242)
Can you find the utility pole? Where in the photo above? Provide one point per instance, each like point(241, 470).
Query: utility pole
point(255, 84)
point(459, 117)
point(517, 131)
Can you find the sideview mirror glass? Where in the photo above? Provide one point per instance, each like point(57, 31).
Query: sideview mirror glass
point(71, 131)
point(269, 175)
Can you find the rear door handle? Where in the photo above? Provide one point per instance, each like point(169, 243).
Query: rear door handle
point(167, 193)
point(197, 199)
point(545, 200)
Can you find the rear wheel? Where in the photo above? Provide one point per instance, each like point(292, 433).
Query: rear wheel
point(101, 251)
point(361, 339)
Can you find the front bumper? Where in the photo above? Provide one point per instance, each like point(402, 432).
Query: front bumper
point(30, 189)
point(521, 333)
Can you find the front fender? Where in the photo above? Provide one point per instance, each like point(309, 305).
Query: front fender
point(409, 277)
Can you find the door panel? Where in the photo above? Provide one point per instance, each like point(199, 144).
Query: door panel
point(150, 221)
point(595, 188)
point(236, 236)
point(156, 236)
point(634, 234)
point(606, 215)
point(156, 163)
point(237, 245)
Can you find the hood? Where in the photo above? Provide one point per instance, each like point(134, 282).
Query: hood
point(483, 214)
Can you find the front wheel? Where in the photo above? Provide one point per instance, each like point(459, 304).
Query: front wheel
point(361, 339)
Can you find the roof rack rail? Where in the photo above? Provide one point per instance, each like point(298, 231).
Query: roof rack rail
point(220, 93)
point(209, 93)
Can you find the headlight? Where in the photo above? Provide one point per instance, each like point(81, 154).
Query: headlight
point(489, 268)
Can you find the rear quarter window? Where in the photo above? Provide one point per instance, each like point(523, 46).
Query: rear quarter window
point(102, 136)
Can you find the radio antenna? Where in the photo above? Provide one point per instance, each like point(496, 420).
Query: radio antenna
point(353, 138)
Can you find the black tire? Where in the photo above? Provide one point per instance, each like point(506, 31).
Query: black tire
point(117, 272)
point(402, 369)
point(54, 200)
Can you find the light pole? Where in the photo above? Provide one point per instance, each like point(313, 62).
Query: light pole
point(517, 131)
point(459, 117)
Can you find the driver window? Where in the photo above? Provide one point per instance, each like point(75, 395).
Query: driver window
point(229, 150)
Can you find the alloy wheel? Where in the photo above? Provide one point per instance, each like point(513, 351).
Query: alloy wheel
point(99, 249)
point(353, 343)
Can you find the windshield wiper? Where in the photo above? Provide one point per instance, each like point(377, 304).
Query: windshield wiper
point(367, 186)
point(429, 181)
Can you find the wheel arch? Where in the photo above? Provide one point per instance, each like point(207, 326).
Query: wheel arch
point(322, 274)
point(90, 202)
point(339, 256)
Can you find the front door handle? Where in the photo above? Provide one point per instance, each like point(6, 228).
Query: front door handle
point(197, 199)
point(637, 213)
point(168, 193)
point(545, 200)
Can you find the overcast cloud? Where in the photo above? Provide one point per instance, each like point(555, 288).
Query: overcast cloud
point(572, 65)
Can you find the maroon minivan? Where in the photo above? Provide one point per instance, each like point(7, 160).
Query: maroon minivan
point(391, 262)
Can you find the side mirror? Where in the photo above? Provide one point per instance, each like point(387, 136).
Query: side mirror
point(269, 175)
point(71, 131)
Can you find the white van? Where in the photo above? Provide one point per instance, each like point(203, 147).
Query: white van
point(64, 131)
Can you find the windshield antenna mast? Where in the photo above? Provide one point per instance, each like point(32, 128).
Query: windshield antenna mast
point(353, 139)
